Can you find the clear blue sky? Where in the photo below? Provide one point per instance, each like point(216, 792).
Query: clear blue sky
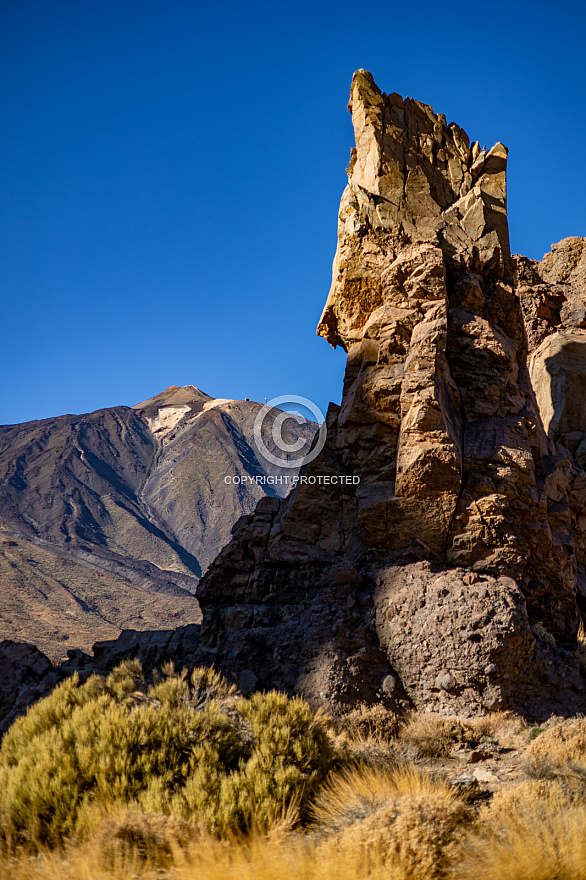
point(170, 174)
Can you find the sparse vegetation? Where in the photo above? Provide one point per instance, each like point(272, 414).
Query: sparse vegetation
point(544, 636)
point(433, 736)
point(562, 743)
point(188, 748)
point(181, 778)
point(372, 723)
point(533, 838)
point(404, 819)
point(503, 728)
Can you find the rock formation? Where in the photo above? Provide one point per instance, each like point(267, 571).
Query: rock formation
point(434, 553)
point(423, 582)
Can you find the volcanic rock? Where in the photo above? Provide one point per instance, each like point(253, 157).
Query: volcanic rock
point(443, 517)
point(25, 675)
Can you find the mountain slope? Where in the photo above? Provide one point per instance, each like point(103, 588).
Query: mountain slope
point(57, 603)
point(202, 443)
point(144, 494)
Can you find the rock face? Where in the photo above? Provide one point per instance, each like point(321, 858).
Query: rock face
point(457, 637)
point(443, 450)
point(553, 299)
point(107, 520)
point(25, 675)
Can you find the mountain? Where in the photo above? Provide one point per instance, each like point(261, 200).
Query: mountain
point(57, 603)
point(109, 519)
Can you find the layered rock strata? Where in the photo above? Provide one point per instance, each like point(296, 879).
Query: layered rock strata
point(460, 469)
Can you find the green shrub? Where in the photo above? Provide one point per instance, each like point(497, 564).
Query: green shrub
point(186, 748)
point(543, 635)
point(289, 756)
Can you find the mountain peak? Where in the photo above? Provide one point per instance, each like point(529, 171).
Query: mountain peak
point(175, 395)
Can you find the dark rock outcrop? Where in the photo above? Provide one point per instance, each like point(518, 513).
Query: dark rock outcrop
point(25, 676)
point(153, 648)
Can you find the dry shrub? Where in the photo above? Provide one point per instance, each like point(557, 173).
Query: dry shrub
point(367, 736)
point(188, 748)
point(508, 729)
point(509, 803)
point(564, 742)
point(371, 722)
point(539, 838)
point(434, 736)
point(559, 754)
point(402, 818)
point(357, 792)
point(375, 754)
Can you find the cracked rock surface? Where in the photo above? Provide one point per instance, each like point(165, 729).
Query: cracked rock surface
point(469, 515)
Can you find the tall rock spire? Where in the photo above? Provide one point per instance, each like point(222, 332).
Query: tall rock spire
point(463, 525)
point(422, 300)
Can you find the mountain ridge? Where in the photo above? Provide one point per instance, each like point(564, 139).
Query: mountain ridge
point(138, 493)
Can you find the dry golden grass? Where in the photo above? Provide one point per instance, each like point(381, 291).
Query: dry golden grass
point(538, 838)
point(558, 755)
point(509, 803)
point(370, 723)
point(358, 792)
point(115, 836)
point(261, 859)
point(395, 825)
point(508, 729)
point(566, 741)
point(433, 736)
point(403, 818)
point(367, 735)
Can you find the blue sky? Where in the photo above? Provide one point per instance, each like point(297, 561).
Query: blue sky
point(170, 174)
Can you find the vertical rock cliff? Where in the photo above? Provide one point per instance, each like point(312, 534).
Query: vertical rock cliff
point(423, 581)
